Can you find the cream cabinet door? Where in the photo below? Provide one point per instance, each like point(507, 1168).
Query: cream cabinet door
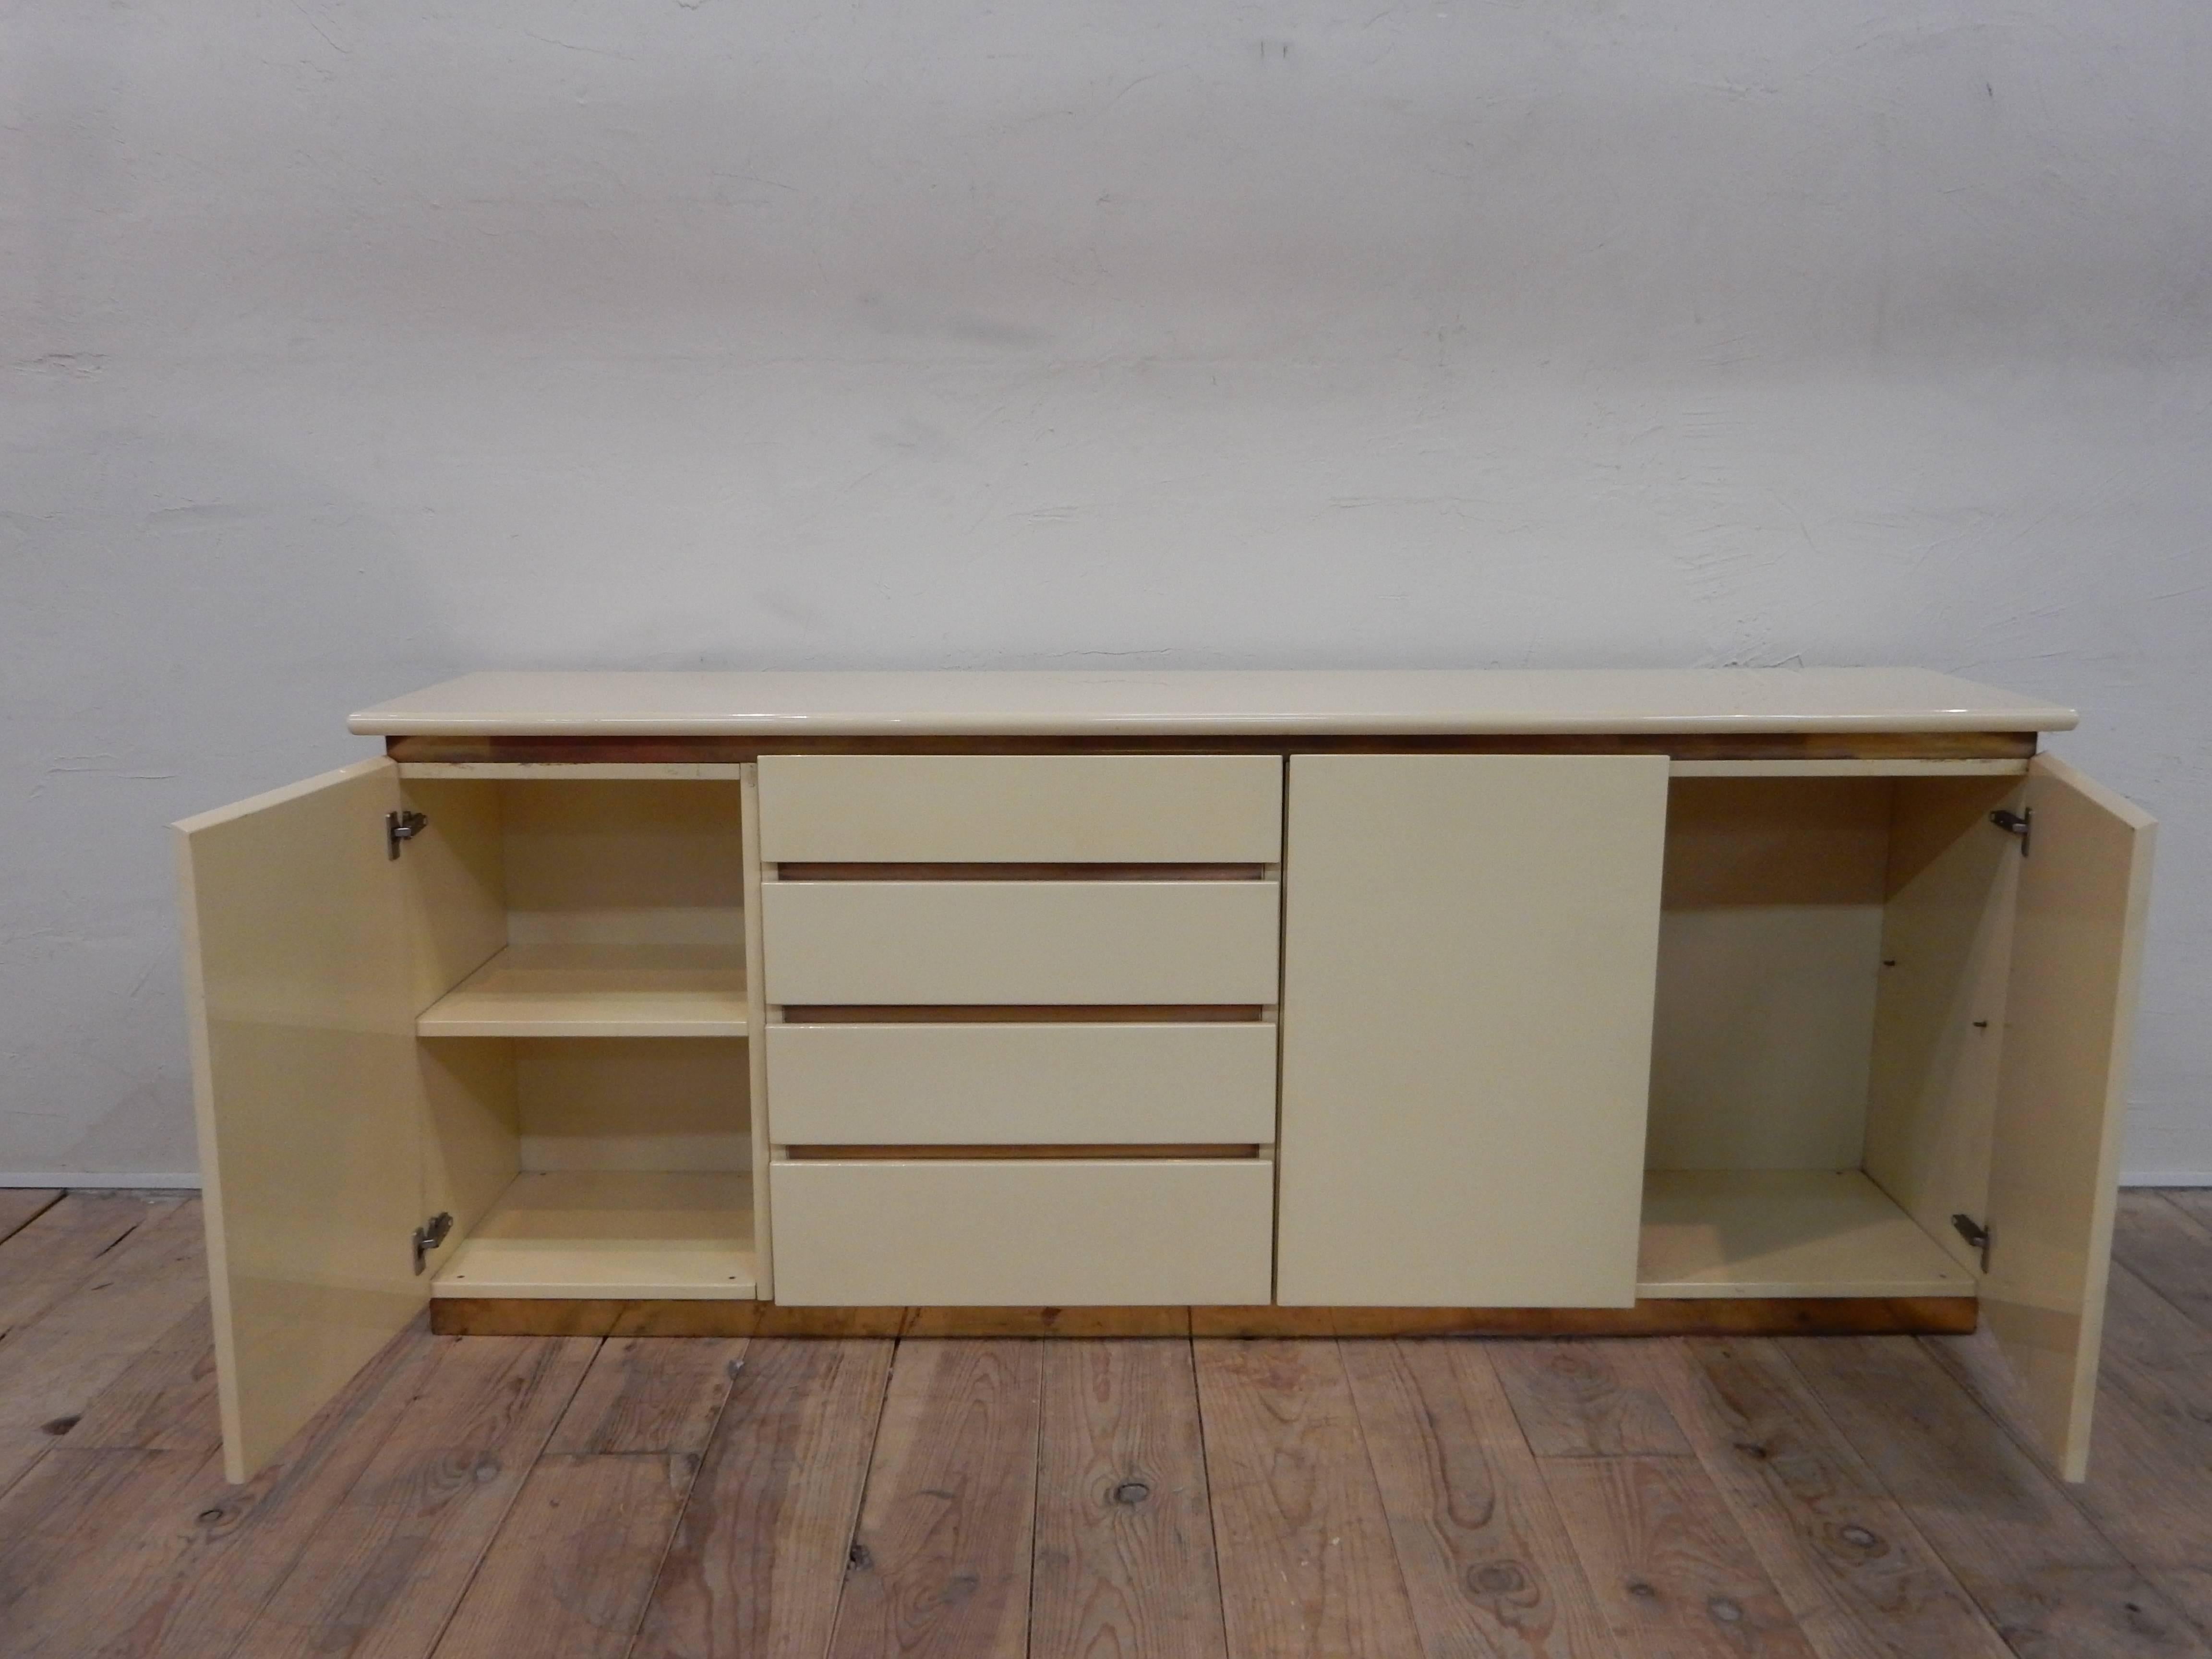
point(2069, 1015)
point(1470, 943)
point(308, 1099)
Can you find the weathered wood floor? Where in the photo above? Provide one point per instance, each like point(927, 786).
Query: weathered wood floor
point(516, 1496)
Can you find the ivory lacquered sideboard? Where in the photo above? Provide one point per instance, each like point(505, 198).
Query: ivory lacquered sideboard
point(1232, 1004)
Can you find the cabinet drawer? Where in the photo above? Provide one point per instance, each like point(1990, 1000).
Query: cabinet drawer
point(1035, 942)
point(1041, 1085)
point(1042, 809)
point(960, 1232)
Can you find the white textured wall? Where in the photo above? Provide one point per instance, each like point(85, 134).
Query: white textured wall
point(347, 346)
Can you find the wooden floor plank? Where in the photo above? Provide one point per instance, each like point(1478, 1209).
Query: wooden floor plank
point(1124, 1559)
point(1489, 1569)
point(19, 1206)
point(1672, 1572)
point(1849, 1564)
point(2161, 1238)
point(940, 1561)
point(654, 1396)
point(151, 1552)
point(2149, 1489)
point(575, 1558)
point(163, 1401)
point(2049, 1581)
point(73, 1510)
point(2196, 1202)
point(1588, 1399)
point(1307, 1563)
point(1849, 1496)
point(52, 1365)
point(44, 1260)
point(760, 1553)
point(2150, 1469)
point(386, 1566)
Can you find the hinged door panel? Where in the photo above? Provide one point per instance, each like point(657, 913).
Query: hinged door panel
point(2069, 1011)
point(308, 1097)
point(1470, 945)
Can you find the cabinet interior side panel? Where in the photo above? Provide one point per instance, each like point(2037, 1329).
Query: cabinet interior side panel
point(624, 862)
point(1940, 1017)
point(756, 1111)
point(1948, 937)
point(471, 1150)
point(455, 878)
point(1770, 952)
point(640, 1103)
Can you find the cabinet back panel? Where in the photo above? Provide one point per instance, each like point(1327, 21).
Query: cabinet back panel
point(677, 1104)
point(1769, 951)
point(623, 862)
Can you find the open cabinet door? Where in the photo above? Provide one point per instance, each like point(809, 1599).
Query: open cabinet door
point(2062, 1106)
point(308, 1099)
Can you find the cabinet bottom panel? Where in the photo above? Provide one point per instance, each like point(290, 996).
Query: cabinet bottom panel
point(573, 1234)
point(1935, 1315)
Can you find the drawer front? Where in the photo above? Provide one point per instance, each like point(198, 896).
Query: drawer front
point(1033, 942)
point(958, 1232)
point(1029, 1085)
point(1041, 809)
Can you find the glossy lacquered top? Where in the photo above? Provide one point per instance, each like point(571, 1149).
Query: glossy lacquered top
point(1172, 702)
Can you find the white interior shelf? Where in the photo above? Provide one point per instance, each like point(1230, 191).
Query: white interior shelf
point(596, 990)
point(1784, 1233)
point(610, 1233)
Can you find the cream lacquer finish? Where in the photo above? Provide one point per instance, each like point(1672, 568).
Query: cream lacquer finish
point(597, 990)
point(1467, 1033)
point(455, 883)
point(599, 862)
point(1939, 1032)
point(1340, 701)
point(310, 1106)
point(1469, 955)
point(1015, 1233)
point(1897, 767)
point(1016, 1084)
point(471, 1133)
point(1784, 1232)
point(1043, 809)
point(757, 1022)
point(576, 771)
point(1770, 949)
point(601, 1233)
point(1033, 942)
point(632, 1103)
point(2061, 1106)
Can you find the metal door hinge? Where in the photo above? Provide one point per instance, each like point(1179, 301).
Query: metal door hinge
point(402, 826)
point(430, 1235)
point(1975, 1233)
point(2018, 823)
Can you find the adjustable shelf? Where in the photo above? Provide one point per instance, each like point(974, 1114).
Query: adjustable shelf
point(596, 991)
